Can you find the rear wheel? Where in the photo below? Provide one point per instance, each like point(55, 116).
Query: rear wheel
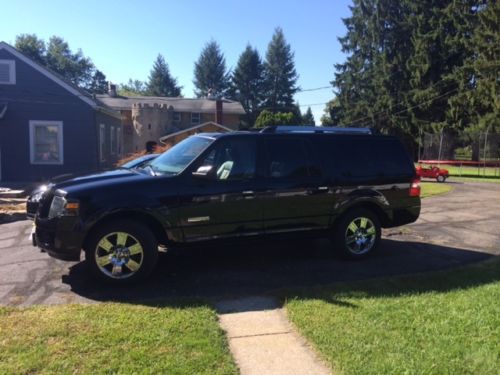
point(357, 234)
point(122, 252)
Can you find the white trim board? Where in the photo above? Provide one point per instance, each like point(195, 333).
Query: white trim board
point(47, 73)
point(12, 71)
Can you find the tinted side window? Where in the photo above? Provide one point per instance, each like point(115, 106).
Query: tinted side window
point(287, 158)
point(232, 159)
point(392, 157)
point(355, 157)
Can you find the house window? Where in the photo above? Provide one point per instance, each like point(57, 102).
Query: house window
point(46, 142)
point(112, 140)
point(7, 72)
point(102, 141)
point(177, 117)
point(119, 140)
point(195, 118)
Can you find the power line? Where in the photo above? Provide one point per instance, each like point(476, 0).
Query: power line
point(417, 105)
point(397, 104)
point(315, 89)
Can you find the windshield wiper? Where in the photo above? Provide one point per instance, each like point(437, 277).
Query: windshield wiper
point(149, 170)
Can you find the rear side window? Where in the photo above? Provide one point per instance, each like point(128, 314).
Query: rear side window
point(363, 157)
point(289, 158)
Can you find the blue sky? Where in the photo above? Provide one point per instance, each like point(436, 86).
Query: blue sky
point(123, 38)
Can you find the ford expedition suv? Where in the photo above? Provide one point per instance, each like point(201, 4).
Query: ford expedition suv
point(341, 183)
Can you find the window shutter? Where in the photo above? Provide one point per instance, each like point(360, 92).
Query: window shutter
point(4, 72)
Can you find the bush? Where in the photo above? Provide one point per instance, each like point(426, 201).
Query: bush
point(267, 118)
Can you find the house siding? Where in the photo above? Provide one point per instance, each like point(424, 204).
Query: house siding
point(37, 97)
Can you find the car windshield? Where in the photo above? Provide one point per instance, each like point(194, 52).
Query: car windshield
point(177, 158)
point(140, 162)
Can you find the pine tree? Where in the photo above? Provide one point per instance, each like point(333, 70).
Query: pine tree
point(486, 47)
point(161, 82)
point(31, 46)
point(58, 56)
point(247, 84)
point(210, 75)
point(73, 66)
point(332, 113)
point(134, 87)
point(308, 117)
point(279, 74)
point(99, 84)
point(415, 66)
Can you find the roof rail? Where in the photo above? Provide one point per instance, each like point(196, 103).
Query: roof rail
point(315, 129)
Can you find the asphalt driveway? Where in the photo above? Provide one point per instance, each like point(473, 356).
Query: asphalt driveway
point(454, 229)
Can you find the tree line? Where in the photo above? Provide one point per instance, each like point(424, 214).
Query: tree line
point(265, 87)
point(417, 66)
point(411, 66)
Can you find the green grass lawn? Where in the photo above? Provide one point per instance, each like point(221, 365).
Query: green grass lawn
point(475, 179)
point(113, 338)
point(439, 323)
point(471, 171)
point(434, 188)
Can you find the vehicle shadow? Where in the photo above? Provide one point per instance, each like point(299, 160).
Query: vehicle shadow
point(228, 272)
point(12, 217)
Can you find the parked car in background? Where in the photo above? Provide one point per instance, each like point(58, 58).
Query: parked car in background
point(340, 183)
point(432, 171)
point(38, 190)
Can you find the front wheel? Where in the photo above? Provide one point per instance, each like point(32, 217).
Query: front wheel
point(357, 234)
point(441, 178)
point(122, 252)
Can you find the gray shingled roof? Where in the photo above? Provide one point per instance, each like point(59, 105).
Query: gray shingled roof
point(179, 104)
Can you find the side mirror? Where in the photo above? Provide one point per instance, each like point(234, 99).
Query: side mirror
point(205, 172)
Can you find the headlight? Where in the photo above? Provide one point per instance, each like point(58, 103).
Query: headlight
point(38, 193)
point(57, 206)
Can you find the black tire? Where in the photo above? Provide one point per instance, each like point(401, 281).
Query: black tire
point(121, 264)
point(367, 242)
point(441, 178)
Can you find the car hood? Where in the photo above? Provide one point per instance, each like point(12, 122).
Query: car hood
point(95, 180)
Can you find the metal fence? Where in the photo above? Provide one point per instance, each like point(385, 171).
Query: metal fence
point(478, 154)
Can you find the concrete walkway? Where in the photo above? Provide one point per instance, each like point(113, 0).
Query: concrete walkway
point(262, 340)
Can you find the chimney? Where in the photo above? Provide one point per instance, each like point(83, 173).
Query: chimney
point(218, 112)
point(112, 90)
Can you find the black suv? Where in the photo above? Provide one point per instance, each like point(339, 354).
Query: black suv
point(341, 183)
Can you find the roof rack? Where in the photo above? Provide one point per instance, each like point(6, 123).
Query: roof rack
point(315, 129)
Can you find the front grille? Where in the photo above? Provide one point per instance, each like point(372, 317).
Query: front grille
point(45, 203)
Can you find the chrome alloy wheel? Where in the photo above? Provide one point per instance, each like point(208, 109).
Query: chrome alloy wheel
point(360, 235)
point(119, 255)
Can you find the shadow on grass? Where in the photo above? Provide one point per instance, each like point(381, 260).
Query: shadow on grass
point(277, 268)
point(461, 278)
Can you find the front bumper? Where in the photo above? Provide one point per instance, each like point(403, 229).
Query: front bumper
point(60, 237)
point(31, 208)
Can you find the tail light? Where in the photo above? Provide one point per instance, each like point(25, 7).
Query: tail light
point(415, 187)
